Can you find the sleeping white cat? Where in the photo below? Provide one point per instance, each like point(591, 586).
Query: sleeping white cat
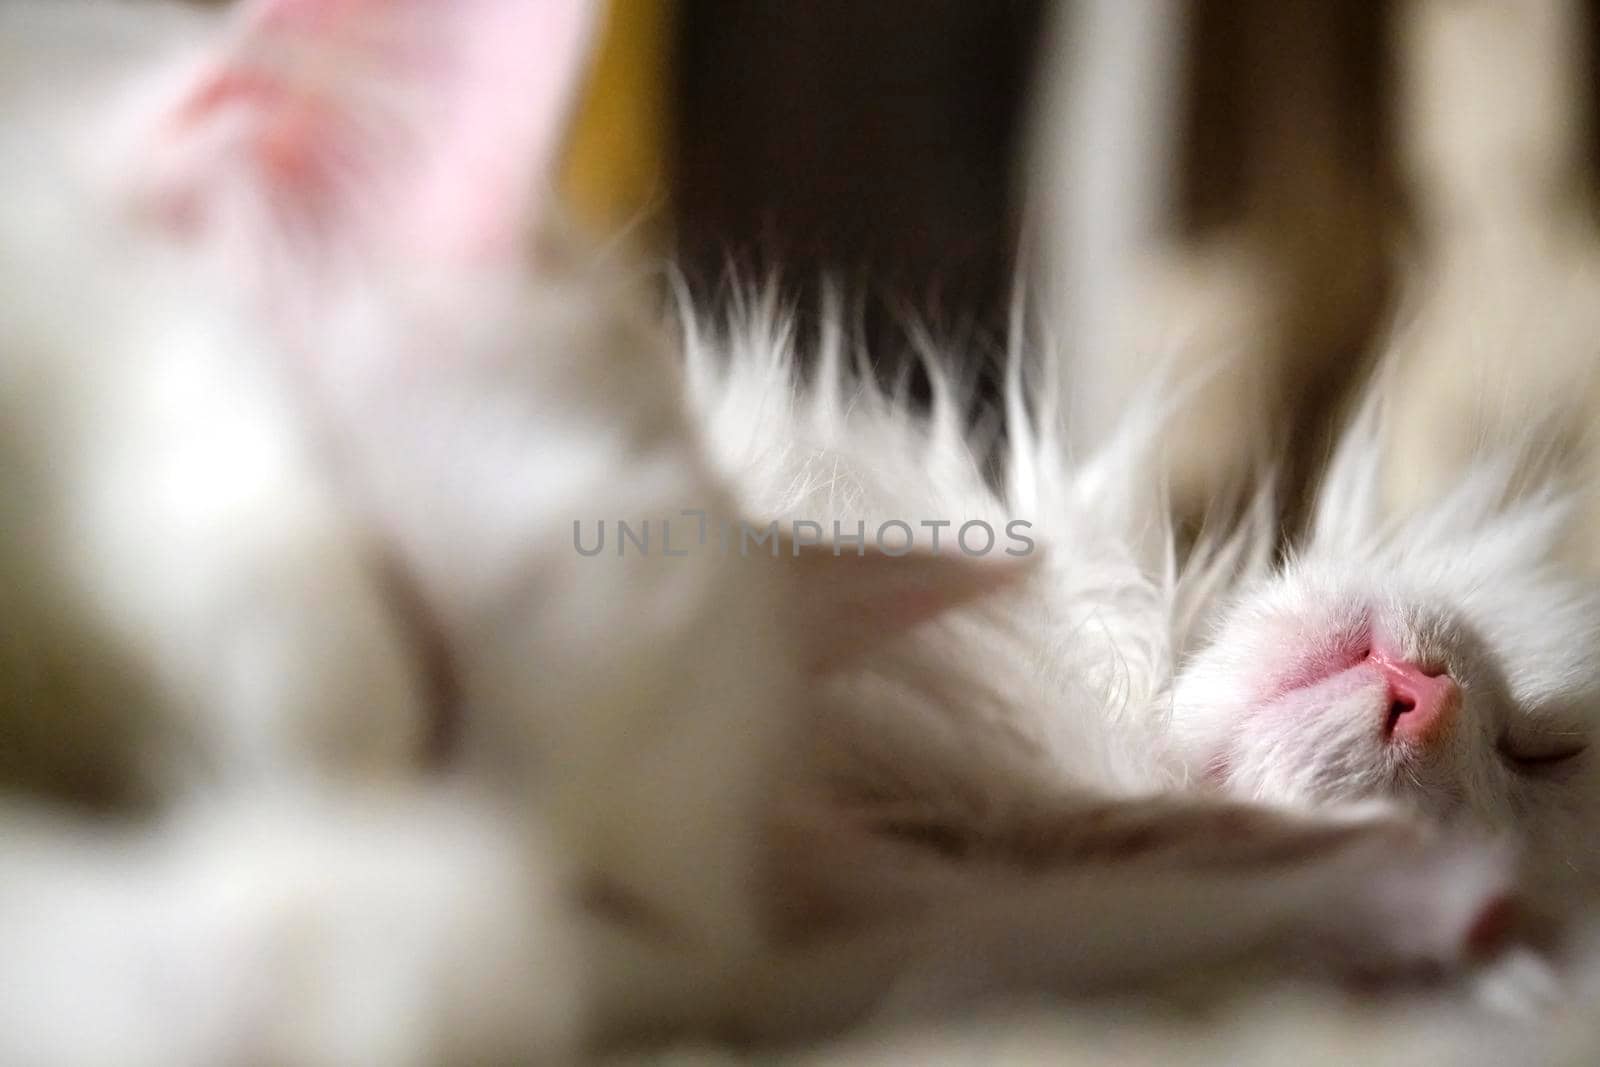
point(1447, 661)
point(999, 786)
point(372, 376)
point(302, 426)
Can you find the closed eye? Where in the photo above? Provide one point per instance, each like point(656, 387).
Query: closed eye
point(1544, 753)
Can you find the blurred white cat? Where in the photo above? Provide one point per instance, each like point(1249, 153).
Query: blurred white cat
point(302, 430)
point(297, 427)
point(305, 429)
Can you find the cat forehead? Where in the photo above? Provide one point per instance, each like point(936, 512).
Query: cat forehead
point(1538, 629)
point(1506, 556)
point(1309, 592)
point(1539, 596)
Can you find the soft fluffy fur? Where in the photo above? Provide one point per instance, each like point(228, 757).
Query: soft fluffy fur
point(418, 928)
point(318, 535)
point(300, 430)
point(1015, 743)
point(980, 753)
point(1476, 584)
point(293, 451)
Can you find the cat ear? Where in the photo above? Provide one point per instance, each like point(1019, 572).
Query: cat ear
point(371, 128)
point(846, 605)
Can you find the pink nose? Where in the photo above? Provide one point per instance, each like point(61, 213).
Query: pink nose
point(1422, 703)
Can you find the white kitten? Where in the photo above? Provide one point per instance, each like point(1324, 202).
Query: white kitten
point(277, 323)
point(992, 790)
point(205, 490)
point(1446, 661)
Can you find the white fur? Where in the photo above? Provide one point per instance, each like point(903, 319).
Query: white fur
point(170, 546)
point(214, 433)
point(395, 927)
point(1029, 724)
point(1475, 584)
point(185, 462)
point(1089, 626)
point(1082, 659)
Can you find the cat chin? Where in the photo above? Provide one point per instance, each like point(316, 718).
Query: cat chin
point(1319, 744)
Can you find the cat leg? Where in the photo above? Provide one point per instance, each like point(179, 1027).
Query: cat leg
point(402, 928)
point(1113, 898)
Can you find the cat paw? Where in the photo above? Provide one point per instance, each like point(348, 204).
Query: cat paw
point(399, 927)
point(1409, 901)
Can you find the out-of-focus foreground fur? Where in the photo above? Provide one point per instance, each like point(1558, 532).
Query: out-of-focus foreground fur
point(328, 742)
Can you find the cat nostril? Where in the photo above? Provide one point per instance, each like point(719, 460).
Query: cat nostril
point(1397, 707)
point(1422, 702)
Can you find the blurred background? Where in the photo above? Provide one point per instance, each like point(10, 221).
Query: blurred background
point(887, 143)
point(1252, 179)
point(875, 144)
point(917, 153)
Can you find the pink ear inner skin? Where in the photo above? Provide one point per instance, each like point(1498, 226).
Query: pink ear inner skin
point(292, 126)
point(424, 129)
